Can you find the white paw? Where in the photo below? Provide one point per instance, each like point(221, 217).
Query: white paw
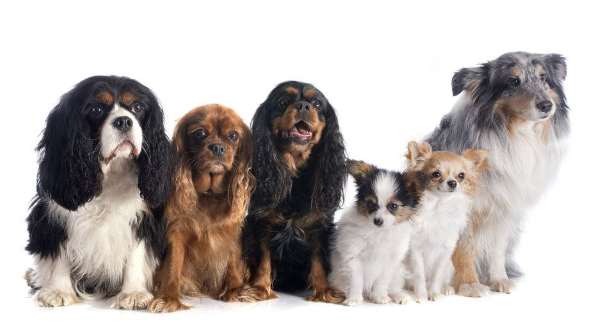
point(132, 301)
point(448, 290)
point(380, 298)
point(400, 298)
point(473, 290)
point(434, 296)
point(502, 286)
point(54, 298)
point(351, 301)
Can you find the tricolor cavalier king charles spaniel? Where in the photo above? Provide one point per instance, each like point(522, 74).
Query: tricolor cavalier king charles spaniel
point(95, 226)
point(299, 165)
point(212, 185)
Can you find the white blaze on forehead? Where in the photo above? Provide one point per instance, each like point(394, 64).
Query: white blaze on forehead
point(385, 188)
point(112, 139)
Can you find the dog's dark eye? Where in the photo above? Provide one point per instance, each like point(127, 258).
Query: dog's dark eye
point(138, 107)
point(372, 206)
point(392, 207)
point(316, 104)
point(461, 176)
point(543, 78)
point(436, 174)
point(514, 82)
point(96, 111)
point(233, 136)
point(199, 134)
point(283, 102)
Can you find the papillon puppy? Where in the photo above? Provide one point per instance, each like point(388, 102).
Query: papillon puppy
point(372, 237)
point(446, 183)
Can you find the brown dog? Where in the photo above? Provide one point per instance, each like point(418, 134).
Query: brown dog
point(205, 212)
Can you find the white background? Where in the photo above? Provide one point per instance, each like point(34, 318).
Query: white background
point(385, 67)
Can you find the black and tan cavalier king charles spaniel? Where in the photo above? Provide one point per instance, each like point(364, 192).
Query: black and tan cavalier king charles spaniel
point(96, 225)
point(299, 165)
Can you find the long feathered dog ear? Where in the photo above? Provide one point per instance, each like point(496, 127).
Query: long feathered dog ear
point(557, 65)
point(182, 181)
point(242, 181)
point(69, 171)
point(467, 79)
point(273, 180)
point(154, 160)
point(330, 167)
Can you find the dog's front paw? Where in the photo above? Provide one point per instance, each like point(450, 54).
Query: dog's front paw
point(132, 301)
point(448, 290)
point(473, 290)
point(380, 298)
point(259, 293)
point(240, 294)
point(502, 286)
point(163, 305)
point(351, 301)
point(434, 296)
point(400, 298)
point(328, 295)
point(54, 298)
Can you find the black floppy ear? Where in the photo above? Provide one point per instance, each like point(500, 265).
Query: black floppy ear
point(557, 65)
point(330, 168)
point(273, 180)
point(69, 171)
point(467, 79)
point(154, 161)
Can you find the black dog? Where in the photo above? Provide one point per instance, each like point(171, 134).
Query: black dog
point(299, 165)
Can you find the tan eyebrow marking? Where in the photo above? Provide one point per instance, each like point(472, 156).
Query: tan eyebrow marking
point(105, 97)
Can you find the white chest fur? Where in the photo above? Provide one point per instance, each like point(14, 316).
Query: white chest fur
point(440, 219)
point(100, 234)
point(519, 170)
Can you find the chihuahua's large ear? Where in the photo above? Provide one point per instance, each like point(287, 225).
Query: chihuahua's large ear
point(477, 157)
point(359, 169)
point(467, 79)
point(418, 152)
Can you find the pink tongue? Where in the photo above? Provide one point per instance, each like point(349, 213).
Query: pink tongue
point(301, 133)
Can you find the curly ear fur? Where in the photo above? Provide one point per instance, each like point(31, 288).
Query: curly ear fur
point(182, 180)
point(154, 160)
point(242, 182)
point(273, 179)
point(330, 166)
point(69, 171)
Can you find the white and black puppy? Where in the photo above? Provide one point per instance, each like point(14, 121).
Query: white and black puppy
point(515, 108)
point(96, 226)
point(372, 237)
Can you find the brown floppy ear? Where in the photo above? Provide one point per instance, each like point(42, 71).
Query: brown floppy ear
point(242, 181)
point(183, 183)
point(418, 152)
point(477, 157)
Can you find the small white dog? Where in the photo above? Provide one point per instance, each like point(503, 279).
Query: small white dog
point(446, 183)
point(372, 238)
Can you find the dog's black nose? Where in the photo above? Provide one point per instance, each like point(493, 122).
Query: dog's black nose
point(217, 149)
point(302, 105)
point(378, 222)
point(123, 123)
point(544, 106)
point(452, 184)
